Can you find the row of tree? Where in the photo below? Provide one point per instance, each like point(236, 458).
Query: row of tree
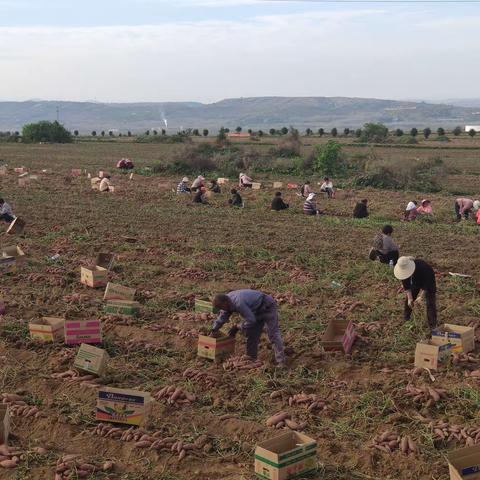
point(371, 132)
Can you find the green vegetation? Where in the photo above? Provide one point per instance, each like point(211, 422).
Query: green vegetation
point(48, 132)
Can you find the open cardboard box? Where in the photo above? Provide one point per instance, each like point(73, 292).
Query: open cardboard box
point(105, 260)
point(83, 331)
point(428, 355)
point(16, 227)
point(339, 336)
point(256, 186)
point(462, 338)
point(216, 349)
point(12, 258)
point(286, 456)
point(277, 184)
point(223, 181)
point(4, 424)
point(91, 359)
point(47, 329)
point(204, 305)
point(94, 277)
point(122, 307)
point(464, 464)
point(117, 405)
point(118, 292)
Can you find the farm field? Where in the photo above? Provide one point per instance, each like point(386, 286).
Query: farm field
point(184, 250)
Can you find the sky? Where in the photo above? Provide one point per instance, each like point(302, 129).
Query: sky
point(208, 50)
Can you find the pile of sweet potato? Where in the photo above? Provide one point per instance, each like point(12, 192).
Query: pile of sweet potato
point(427, 396)
point(388, 442)
point(18, 406)
point(195, 375)
point(243, 362)
point(76, 466)
point(468, 436)
point(174, 395)
point(284, 420)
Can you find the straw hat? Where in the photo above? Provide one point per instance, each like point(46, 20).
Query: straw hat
point(185, 179)
point(404, 268)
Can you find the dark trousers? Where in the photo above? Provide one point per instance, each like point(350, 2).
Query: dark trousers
point(267, 316)
point(329, 192)
point(386, 257)
point(466, 213)
point(7, 218)
point(431, 301)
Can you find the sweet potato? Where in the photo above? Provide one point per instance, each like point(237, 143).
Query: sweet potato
point(8, 464)
point(143, 444)
point(274, 419)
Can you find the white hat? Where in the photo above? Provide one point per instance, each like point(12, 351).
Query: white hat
point(476, 205)
point(311, 196)
point(411, 206)
point(185, 179)
point(404, 268)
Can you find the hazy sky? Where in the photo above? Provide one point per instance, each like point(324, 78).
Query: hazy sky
point(206, 50)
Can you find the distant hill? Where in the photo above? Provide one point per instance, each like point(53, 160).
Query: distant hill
point(256, 113)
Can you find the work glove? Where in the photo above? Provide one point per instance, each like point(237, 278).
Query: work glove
point(233, 331)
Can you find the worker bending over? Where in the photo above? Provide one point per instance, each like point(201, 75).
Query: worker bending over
point(6, 213)
point(257, 310)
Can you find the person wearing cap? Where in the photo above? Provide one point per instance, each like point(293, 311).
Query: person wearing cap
point(245, 181)
point(310, 205)
point(278, 203)
point(183, 187)
point(105, 184)
point(198, 183)
point(258, 311)
point(425, 208)
point(463, 207)
point(361, 209)
point(6, 212)
point(327, 187)
point(417, 275)
point(236, 200)
point(384, 247)
point(411, 211)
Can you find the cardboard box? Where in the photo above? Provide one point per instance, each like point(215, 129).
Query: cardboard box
point(428, 355)
point(4, 424)
point(17, 226)
point(12, 259)
point(76, 172)
point(277, 184)
point(462, 338)
point(256, 186)
point(48, 329)
point(122, 307)
point(91, 359)
point(118, 292)
point(105, 260)
point(94, 277)
point(286, 456)
point(223, 181)
point(117, 405)
point(83, 331)
point(216, 349)
point(203, 305)
point(464, 464)
point(340, 335)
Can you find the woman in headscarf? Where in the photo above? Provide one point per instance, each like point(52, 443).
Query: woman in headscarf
point(425, 208)
point(411, 211)
point(245, 181)
point(310, 205)
point(198, 183)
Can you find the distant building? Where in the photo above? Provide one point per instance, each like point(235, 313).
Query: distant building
point(241, 135)
point(472, 127)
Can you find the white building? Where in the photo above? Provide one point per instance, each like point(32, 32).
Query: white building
point(472, 127)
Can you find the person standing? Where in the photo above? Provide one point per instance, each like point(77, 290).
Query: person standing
point(417, 275)
point(258, 311)
point(384, 247)
point(6, 212)
point(463, 207)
